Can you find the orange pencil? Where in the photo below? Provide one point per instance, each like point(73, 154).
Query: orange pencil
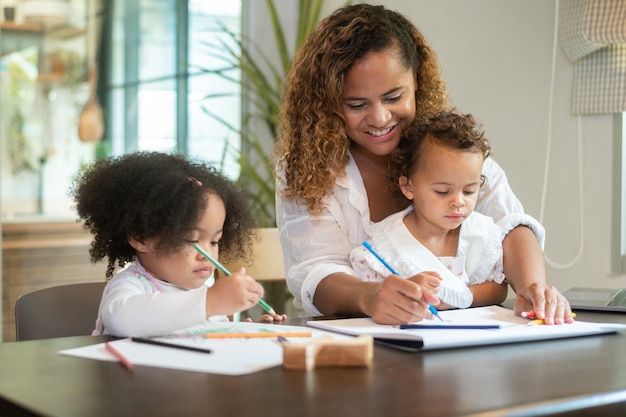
point(123, 359)
point(255, 335)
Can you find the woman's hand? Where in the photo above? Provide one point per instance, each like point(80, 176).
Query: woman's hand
point(546, 301)
point(397, 300)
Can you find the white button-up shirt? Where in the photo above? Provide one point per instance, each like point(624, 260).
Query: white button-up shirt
point(317, 246)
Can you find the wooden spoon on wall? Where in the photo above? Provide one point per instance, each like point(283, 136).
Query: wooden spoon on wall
point(91, 120)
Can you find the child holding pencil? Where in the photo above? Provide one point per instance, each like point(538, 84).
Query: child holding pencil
point(147, 211)
point(438, 167)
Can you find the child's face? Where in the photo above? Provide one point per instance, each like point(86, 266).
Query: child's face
point(444, 186)
point(187, 268)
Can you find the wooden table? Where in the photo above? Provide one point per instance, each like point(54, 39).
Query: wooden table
point(578, 377)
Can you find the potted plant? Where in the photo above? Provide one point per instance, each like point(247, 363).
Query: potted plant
point(261, 82)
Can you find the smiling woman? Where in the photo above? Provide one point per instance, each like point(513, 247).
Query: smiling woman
point(378, 104)
point(328, 197)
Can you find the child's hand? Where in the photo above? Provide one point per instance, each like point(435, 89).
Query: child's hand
point(428, 279)
point(232, 294)
point(271, 318)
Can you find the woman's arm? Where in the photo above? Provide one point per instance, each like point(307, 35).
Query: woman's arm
point(524, 267)
point(315, 247)
point(319, 273)
point(316, 252)
point(523, 259)
point(524, 263)
point(488, 293)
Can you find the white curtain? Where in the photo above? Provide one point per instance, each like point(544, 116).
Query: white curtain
point(593, 35)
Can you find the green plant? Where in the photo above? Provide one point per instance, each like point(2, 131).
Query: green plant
point(261, 81)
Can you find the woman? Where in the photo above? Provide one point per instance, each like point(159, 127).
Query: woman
point(356, 83)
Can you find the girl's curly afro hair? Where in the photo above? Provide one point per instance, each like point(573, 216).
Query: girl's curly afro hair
point(155, 195)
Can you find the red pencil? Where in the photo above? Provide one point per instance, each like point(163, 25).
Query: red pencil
point(123, 359)
point(533, 315)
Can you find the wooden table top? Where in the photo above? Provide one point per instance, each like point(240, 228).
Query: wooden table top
point(559, 377)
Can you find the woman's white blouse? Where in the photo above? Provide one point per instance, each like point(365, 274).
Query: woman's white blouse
point(317, 246)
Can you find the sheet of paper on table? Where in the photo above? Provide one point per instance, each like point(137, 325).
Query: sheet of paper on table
point(512, 329)
point(237, 356)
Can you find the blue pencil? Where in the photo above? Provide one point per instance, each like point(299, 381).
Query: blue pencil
point(449, 326)
point(393, 271)
point(380, 258)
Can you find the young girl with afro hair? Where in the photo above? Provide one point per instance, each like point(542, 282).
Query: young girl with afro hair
point(146, 212)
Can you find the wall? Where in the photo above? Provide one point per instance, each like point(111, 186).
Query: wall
point(42, 254)
point(497, 60)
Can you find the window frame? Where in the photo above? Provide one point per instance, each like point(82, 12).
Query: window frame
point(618, 231)
point(108, 88)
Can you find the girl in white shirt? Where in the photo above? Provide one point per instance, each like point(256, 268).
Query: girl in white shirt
point(438, 168)
point(146, 212)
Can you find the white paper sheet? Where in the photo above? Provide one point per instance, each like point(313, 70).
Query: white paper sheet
point(512, 329)
point(228, 357)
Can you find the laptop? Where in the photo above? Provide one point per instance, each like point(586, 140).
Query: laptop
point(597, 299)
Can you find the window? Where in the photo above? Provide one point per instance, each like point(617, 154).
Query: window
point(157, 92)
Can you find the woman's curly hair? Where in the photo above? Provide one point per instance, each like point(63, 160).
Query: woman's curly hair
point(313, 145)
point(449, 129)
point(155, 195)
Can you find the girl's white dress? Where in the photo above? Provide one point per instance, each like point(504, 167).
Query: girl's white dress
point(478, 258)
point(134, 303)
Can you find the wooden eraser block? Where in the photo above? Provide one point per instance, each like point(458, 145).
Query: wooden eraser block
point(327, 352)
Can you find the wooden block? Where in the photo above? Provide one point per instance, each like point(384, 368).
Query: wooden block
point(325, 351)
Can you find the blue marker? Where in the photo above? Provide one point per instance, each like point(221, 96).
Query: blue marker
point(393, 271)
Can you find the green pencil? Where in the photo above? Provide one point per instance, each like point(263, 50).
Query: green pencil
point(222, 268)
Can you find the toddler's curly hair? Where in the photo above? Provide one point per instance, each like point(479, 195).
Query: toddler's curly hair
point(449, 128)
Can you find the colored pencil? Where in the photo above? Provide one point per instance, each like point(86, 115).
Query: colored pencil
point(533, 315)
point(449, 326)
point(169, 345)
point(535, 321)
point(118, 355)
point(393, 271)
point(256, 335)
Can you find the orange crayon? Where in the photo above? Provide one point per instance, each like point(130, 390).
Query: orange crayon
point(256, 335)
